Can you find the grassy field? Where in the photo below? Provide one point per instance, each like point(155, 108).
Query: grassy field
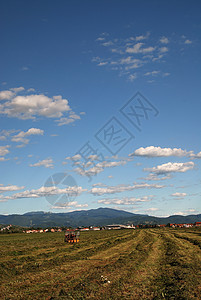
point(119, 264)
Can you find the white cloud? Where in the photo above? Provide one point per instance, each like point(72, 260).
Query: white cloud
point(45, 192)
point(4, 134)
point(4, 150)
point(31, 90)
point(179, 195)
point(137, 48)
point(36, 105)
point(171, 168)
point(163, 49)
point(179, 213)
point(47, 163)
point(18, 89)
point(166, 74)
point(100, 39)
point(164, 40)
point(141, 37)
point(187, 42)
point(20, 137)
point(152, 209)
point(94, 157)
point(130, 60)
point(3, 159)
point(28, 107)
point(198, 155)
point(70, 119)
point(122, 188)
point(153, 73)
point(70, 204)
point(152, 151)
point(106, 44)
point(125, 200)
point(154, 177)
point(98, 167)
point(102, 63)
point(10, 188)
point(132, 77)
point(24, 68)
point(76, 157)
point(6, 95)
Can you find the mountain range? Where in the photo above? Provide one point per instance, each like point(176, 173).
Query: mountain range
point(92, 217)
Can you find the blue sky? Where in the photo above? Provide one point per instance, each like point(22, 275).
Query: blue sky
point(100, 106)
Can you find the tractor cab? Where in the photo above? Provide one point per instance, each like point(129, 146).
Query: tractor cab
point(72, 236)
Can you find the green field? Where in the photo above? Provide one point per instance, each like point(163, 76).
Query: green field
point(119, 264)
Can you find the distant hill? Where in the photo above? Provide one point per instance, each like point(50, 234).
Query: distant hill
point(92, 217)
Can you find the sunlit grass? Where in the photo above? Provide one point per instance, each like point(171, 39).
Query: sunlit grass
point(116, 264)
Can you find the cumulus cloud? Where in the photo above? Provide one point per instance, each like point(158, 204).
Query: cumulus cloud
point(152, 151)
point(47, 163)
point(171, 168)
point(6, 95)
point(122, 188)
point(33, 106)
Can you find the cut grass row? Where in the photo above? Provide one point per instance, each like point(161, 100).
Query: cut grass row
point(141, 264)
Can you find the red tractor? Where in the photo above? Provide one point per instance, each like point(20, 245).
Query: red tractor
point(72, 236)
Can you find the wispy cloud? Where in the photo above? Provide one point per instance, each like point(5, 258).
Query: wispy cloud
point(164, 40)
point(179, 195)
point(122, 188)
point(187, 42)
point(4, 150)
point(125, 200)
point(137, 48)
point(21, 137)
point(47, 163)
point(10, 188)
point(44, 192)
point(133, 52)
point(69, 205)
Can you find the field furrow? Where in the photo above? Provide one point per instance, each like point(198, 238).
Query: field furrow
point(117, 264)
